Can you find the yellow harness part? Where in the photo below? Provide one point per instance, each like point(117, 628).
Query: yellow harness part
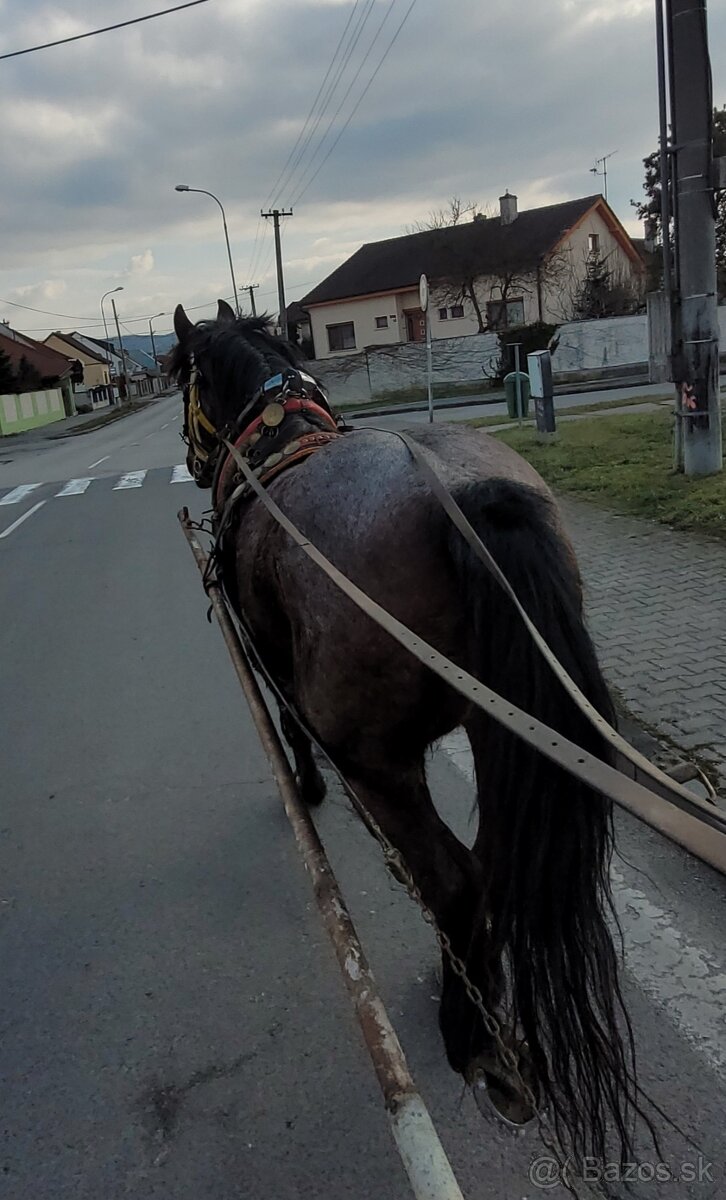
point(196, 418)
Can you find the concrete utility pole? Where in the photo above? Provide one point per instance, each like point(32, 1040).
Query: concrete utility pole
point(276, 214)
point(696, 343)
point(127, 381)
point(250, 287)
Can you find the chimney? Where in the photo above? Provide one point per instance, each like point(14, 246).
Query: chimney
point(507, 208)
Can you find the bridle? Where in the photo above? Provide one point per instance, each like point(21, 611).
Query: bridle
point(200, 435)
point(291, 387)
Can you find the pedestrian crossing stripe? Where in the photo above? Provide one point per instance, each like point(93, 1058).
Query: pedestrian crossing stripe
point(132, 479)
point(76, 487)
point(19, 493)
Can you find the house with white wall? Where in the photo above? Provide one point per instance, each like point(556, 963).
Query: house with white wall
point(485, 274)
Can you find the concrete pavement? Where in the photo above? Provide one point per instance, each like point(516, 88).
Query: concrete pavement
point(656, 602)
point(172, 1023)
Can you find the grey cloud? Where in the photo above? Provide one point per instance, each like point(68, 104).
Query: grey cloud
point(473, 98)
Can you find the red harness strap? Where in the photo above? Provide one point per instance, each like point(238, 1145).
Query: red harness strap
point(300, 447)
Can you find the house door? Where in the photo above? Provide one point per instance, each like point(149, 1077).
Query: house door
point(415, 325)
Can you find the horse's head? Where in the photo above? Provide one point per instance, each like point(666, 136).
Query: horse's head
point(222, 366)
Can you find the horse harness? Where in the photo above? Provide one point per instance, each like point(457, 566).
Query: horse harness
point(295, 421)
point(273, 441)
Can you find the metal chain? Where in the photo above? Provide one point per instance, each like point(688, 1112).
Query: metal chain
point(400, 871)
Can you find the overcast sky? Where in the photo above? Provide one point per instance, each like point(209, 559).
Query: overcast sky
point(475, 96)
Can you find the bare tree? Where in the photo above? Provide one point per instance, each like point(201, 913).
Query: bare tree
point(443, 218)
point(464, 279)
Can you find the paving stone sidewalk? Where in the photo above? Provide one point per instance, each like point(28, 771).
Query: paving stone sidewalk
point(656, 605)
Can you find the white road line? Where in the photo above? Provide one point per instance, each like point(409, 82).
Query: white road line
point(20, 520)
point(19, 493)
point(175, 418)
point(164, 426)
point(180, 474)
point(132, 479)
point(74, 487)
point(682, 978)
point(99, 461)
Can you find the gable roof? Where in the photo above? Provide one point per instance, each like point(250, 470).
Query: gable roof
point(485, 245)
point(78, 346)
point(49, 363)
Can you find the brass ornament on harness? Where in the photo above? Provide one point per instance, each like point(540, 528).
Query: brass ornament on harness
point(273, 414)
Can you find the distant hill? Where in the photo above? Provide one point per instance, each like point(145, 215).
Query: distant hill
point(141, 342)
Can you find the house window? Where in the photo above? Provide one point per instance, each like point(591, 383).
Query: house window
point(443, 314)
point(593, 242)
point(381, 322)
point(457, 310)
point(504, 315)
point(341, 337)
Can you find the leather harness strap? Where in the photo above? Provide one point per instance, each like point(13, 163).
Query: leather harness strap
point(638, 764)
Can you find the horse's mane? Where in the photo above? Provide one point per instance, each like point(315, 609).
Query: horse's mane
point(238, 355)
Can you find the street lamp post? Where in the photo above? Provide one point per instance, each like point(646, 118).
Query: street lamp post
point(184, 187)
point(153, 343)
point(105, 329)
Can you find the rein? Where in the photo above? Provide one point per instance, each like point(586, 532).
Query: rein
point(707, 832)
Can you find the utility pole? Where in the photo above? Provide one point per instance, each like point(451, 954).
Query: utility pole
point(276, 214)
point(127, 382)
point(251, 287)
point(696, 345)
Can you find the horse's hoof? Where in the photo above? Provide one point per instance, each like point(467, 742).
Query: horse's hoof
point(496, 1094)
point(313, 790)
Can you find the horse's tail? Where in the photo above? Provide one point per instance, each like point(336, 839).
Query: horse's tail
point(545, 839)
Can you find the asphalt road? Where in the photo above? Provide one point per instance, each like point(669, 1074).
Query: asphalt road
point(172, 1022)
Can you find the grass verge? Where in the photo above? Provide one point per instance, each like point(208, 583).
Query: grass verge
point(573, 410)
point(411, 395)
point(625, 463)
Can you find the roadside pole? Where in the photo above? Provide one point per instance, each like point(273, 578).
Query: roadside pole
point(127, 382)
point(696, 360)
point(518, 383)
point(423, 295)
point(276, 214)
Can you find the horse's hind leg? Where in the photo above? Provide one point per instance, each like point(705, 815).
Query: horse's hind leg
point(444, 871)
point(310, 781)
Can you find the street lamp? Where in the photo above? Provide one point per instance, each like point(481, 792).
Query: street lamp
point(184, 187)
point(105, 329)
point(105, 326)
point(153, 343)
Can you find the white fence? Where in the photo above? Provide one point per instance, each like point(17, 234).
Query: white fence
point(583, 347)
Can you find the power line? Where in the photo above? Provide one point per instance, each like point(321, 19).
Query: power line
point(46, 311)
point(350, 87)
point(258, 248)
point(87, 324)
point(77, 37)
point(332, 88)
point(313, 106)
point(358, 102)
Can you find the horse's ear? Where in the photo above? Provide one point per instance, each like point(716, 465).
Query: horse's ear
point(225, 312)
point(182, 324)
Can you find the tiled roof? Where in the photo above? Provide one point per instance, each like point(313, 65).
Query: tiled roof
point(485, 245)
point(79, 348)
point(49, 363)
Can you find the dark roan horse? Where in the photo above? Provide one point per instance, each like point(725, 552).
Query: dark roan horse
point(528, 906)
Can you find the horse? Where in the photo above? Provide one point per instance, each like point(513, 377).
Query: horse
point(527, 907)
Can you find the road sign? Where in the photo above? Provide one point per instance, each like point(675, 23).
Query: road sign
point(423, 293)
